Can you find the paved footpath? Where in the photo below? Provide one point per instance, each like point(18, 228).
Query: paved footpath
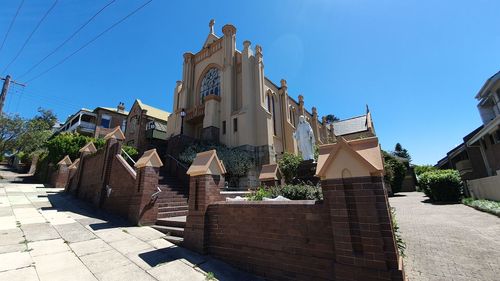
point(447, 242)
point(46, 234)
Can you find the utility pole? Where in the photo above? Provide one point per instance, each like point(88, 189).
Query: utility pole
point(5, 88)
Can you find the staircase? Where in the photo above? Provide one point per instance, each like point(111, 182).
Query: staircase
point(172, 209)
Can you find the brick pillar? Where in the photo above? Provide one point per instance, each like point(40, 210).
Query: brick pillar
point(362, 229)
point(355, 196)
point(143, 208)
point(88, 149)
point(206, 180)
point(62, 176)
point(203, 190)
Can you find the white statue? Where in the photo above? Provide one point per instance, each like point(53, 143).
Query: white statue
point(305, 138)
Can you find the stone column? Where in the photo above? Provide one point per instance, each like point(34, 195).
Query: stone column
point(143, 209)
point(315, 126)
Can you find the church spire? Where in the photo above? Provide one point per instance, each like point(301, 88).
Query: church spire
point(211, 25)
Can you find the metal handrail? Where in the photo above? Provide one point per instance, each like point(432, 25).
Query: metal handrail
point(156, 193)
point(178, 162)
point(128, 156)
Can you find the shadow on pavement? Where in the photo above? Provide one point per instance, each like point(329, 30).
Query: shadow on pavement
point(221, 270)
point(429, 201)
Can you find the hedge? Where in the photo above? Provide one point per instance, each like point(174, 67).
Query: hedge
point(441, 185)
point(292, 192)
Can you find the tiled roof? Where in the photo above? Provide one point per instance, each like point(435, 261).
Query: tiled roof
point(153, 111)
point(350, 126)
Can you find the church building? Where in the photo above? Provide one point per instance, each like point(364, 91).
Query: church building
point(224, 96)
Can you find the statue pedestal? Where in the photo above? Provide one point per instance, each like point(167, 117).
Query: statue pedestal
point(306, 173)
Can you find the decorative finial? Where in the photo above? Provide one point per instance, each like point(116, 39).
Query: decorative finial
point(211, 25)
point(314, 110)
point(301, 99)
point(367, 109)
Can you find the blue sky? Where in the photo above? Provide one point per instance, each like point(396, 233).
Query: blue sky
point(417, 64)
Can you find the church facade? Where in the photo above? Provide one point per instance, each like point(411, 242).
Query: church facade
point(225, 97)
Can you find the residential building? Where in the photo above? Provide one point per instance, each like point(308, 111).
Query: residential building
point(146, 127)
point(96, 123)
point(478, 157)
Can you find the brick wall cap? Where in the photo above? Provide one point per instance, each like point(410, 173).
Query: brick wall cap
point(115, 134)
point(150, 158)
point(268, 203)
point(367, 151)
point(270, 172)
point(89, 147)
point(206, 163)
point(66, 161)
point(75, 164)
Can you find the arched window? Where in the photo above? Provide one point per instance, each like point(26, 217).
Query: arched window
point(210, 85)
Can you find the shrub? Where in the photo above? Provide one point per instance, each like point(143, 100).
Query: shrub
point(259, 194)
point(423, 168)
point(69, 144)
point(131, 151)
point(292, 192)
point(237, 161)
point(399, 239)
point(395, 171)
point(289, 164)
point(441, 185)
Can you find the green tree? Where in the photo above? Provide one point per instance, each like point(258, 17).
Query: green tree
point(401, 152)
point(395, 171)
point(330, 118)
point(36, 131)
point(11, 127)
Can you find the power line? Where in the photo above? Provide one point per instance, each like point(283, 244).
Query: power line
point(29, 37)
point(69, 38)
point(91, 41)
point(11, 24)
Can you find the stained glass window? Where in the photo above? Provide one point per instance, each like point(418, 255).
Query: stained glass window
point(210, 85)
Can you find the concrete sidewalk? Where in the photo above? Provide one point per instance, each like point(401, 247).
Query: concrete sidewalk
point(48, 235)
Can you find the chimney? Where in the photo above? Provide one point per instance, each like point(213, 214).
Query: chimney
point(121, 107)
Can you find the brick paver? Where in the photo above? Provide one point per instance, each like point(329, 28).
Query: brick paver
point(447, 242)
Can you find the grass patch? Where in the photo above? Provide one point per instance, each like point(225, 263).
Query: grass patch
point(492, 207)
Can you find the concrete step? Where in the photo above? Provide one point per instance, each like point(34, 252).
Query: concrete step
point(171, 200)
point(174, 239)
point(173, 221)
point(172, 214)
point(172, 208)
point(172, 204)
point(171, 194)
point(170, 230)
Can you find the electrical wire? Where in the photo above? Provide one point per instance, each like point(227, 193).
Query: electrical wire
point(10, 25)
point(90, 41)
point(68, 39)
point(29, 37)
